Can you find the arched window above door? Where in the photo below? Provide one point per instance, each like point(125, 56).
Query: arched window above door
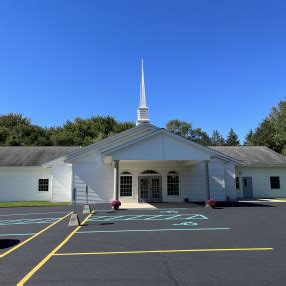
point(126, 173)
point(149, 172)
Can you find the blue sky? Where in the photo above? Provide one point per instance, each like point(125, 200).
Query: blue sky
point(217, 64)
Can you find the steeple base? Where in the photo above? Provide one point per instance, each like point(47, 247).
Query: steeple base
point(142, 115)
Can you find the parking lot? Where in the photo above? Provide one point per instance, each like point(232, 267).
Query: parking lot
point(237, 244)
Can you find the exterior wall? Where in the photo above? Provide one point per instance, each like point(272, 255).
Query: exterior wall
point(216, 180)
point(62, 183)
point(21, 183)
point(161, 147)
point(261, 181)
point(116, 140)
point(90, 170)
point(192, 181)
point(229, 179)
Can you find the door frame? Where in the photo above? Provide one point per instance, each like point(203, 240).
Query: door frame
point(249, 179)
point(150, 199)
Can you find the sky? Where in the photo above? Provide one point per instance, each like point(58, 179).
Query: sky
point(217, 64)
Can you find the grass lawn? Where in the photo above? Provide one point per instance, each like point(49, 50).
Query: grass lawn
point(31, 204)
point(280, 199)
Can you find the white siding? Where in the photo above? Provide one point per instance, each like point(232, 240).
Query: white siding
point(99, 177)
point(161, 147)
point(21, 183)
point(114, 141)
point(261, 181)
point(194, 182)
point(62, 183)
point(216, 180)
point(229, 177)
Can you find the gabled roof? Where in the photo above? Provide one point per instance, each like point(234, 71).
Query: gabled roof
point(115, 140)
point(32, 155)
point(252, 155)
point(194, 145)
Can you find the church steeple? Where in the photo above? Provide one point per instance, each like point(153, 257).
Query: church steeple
point(142, 111)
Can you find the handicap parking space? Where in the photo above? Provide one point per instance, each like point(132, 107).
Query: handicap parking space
point(21, 224)
point(153, 230)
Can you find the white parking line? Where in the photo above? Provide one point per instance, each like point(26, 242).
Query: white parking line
point(17, 234)
point(154, 230)
point(34, 214)
point(148, 217)
point(27, 221)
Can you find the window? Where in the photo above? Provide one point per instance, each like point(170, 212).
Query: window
point(149, 172)
point(275, 182)
point(237, 182)
point(126, 185)
point(173, 183)
point(43, 185)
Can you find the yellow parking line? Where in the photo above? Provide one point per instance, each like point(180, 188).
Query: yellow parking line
point(47, 258)
point(165, 251)
point(34, 236)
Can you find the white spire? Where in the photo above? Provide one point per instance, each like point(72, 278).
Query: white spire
point(142, 111)
point(142, 88)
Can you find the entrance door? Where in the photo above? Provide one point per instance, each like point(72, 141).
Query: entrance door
point(247, 187)
point(150, 189)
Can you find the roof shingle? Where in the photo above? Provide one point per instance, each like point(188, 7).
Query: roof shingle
point(32, 155)
point(252, 155)
point(38, 155)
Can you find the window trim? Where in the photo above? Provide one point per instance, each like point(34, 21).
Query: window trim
point(124, 176)
point(278, 185)
point(45, 185)
point(171, 174)
point(237, 182)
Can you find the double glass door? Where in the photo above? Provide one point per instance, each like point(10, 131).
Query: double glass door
point(150, 189)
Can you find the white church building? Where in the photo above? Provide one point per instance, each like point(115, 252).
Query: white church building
point(143, 164)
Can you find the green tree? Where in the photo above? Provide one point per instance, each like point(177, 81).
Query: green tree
point(249, 138)
point(201, 137)
point(179, 127)
point(16, 130)
point(271, 132)
point(185, 129)
point(278, 120)
point(217, 139)
point(87, 131)
point(232, 138)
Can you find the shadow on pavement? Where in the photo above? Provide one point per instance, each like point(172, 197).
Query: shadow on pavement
point(6, 243)
point(222, 205)
point(219, 205)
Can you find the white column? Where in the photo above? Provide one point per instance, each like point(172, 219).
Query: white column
point(116, 179)
point(207, 180)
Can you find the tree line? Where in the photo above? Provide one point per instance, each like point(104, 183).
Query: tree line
point(17, 130)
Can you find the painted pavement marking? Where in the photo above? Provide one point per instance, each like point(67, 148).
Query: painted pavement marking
point(134, 217)
point(186, 223)
point(165, 251)
point(34, 236)
point(17, 234)
point(53, 252)
point(169, 211)
point(148, 217)
point(153, 230)
point(28, 221)
point(33, 214)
